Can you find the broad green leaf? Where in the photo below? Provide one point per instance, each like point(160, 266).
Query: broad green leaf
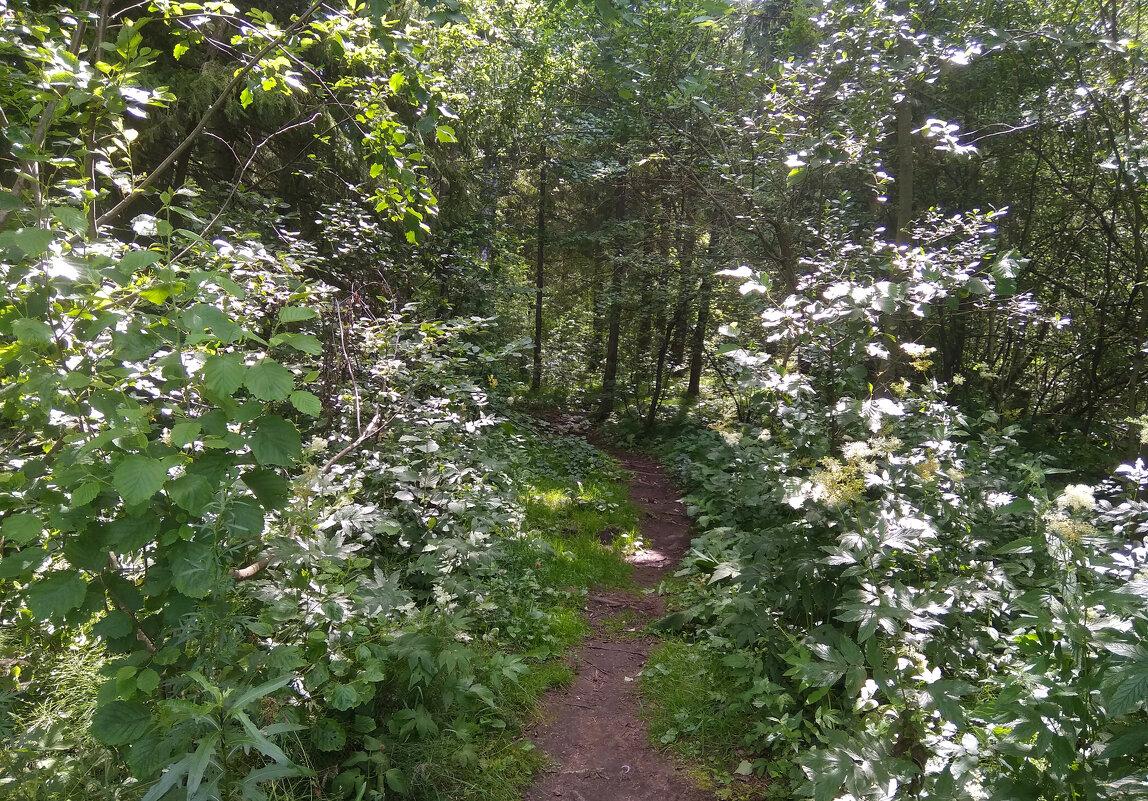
point(32, 332)
point(71, 218)
point(183, 434)
point(223, 375)
point(304, 343)
point(269, 380)
point(444, 133)
point(243, 518)
point(978, 286)
point(87, 550)
point(269, 487)
point(275, 441)
point(121, 722)
point(32, 242)
point(328, 735)
point(55, 594)
point(1128, 690)
point(138, 478)
point(205, 322)
point(342, 696)
point(10, 201)
point(76, 380)
point(191, 492)
point(135, 260)
point(85, 494)
point(21, 528)
point(295, 314)
point(115, 624)
point(133, 533)
point(194, 570)
point(397, 781)
point(147, 681)
point(22, 563)
point(307, 402)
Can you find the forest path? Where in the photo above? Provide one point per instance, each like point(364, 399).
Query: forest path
point(593, 730)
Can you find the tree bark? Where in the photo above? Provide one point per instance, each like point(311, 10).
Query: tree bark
point(610, 371)
point(687, 243)
point(698, 342)
point(659, 375)
point(539, 275)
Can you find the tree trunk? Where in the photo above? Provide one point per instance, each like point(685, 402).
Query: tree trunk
point(659, 375)
point(698, 343)
point(610, 371)
point(539, 275)
point(687, 243)
point(905, 166)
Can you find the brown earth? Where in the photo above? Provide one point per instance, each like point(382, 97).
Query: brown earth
point(593, 731)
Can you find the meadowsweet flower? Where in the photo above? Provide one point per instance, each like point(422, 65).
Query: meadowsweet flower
point(915, 350)
point(837, 484)
point(1065, 528)
point(1076, 497)
point(885, 446)
point(928, 469)
point(765, 435)
point(854, 451)
point(730, 437)
point(958, 380)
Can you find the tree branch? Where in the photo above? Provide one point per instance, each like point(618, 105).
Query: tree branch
point(189, 140)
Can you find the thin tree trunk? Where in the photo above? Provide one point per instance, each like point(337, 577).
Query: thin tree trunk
point(610, 372)
point(539, 275)
point(688, 242)
point(698, 343)
point(905, 169)
point(659, 375)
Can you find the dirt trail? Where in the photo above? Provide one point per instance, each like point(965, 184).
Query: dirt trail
point(593, 730)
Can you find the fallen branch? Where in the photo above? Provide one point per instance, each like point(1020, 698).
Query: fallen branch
point(244, 573)
point(374, 428)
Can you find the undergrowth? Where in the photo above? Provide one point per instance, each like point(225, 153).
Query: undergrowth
point(428, 703)
point(900, 609)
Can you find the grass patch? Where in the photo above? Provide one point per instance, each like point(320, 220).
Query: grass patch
point(46, 704)
point(690, 715)
point(587, 520)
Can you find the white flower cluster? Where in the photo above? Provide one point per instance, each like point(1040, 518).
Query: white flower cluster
point(1076, 497)
point(855, 451)
point(915, 350)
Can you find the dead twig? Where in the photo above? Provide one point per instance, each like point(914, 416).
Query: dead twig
point(374, 427)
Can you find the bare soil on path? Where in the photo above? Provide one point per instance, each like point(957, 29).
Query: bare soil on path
point(593, 731)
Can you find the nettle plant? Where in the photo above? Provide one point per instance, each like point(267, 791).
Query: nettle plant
point(916, 611)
